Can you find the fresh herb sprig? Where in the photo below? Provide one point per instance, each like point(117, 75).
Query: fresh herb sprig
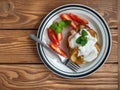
point(58, 27)
point(82, 40)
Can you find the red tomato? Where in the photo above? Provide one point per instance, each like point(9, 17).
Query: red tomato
point(58, 50)
point(78, 19)
point(66, 17)
point(52, 37)
point(59, 36)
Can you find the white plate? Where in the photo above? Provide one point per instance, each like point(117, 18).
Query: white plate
point(96, 22)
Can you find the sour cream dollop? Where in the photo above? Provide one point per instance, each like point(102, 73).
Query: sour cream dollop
point(89, 51)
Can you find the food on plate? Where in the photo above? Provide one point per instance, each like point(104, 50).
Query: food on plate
point(58, 50)
point(83, 45)
point(55, 35)
point(58, 26)
point(78, 19)
point(82, 41)
point(59, 36)
point(66, 17)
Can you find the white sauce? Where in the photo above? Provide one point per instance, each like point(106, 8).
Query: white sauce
point(89, 51)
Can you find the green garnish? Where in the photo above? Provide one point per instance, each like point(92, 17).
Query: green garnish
point(64, 23)
point(58, 27)
point(84, 33)
point(82, 40)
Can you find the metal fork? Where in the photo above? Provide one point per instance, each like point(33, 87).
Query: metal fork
point(66, 61)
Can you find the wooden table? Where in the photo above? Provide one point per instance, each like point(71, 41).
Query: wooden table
point(20, 65)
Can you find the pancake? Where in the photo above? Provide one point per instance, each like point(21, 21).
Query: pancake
point(74, 51)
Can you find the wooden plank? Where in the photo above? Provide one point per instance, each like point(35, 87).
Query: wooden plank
point(27, 14)
point(17, 47)
point(29, 77)
point(118, 6)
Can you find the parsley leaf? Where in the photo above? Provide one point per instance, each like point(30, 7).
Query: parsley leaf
point(82, 40)
point(58, 30)
point(54, 26)
point(58, 27)
point(84, 33)
point(64, 23)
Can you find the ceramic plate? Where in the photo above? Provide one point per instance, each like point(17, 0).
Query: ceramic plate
point(96, 22)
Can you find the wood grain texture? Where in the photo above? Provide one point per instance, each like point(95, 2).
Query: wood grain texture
point(19, 18)
point(37, 77)
point(17, 47)
point(27, 14)
point(119, 42)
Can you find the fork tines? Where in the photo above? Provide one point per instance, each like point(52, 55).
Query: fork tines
point(72, 65)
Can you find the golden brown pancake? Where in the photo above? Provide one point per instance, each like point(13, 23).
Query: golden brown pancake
point(74, 52)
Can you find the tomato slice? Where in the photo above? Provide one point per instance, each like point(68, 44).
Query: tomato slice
point(58, 50)
point(59, 36)
point(66, 17)
point(78, 19)
point(52, 37)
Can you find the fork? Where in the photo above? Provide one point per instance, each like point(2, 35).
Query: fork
point(66, 61)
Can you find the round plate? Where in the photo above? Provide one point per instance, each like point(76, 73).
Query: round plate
point(96, 22)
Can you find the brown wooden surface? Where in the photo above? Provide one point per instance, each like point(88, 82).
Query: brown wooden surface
point(20, 66)
point(27, 14)
point(119, 43)
point(30, 77)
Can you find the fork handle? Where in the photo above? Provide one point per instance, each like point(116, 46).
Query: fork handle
point(32, 36)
